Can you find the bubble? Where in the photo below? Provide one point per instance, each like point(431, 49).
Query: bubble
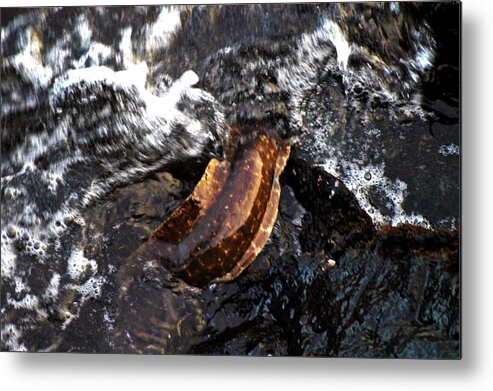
point(331, 263)
point(11, 231)
point(367, 175)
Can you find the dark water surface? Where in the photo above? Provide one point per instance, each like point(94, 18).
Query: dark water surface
point(110, 115)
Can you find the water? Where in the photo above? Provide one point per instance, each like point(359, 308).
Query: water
point(98, 102)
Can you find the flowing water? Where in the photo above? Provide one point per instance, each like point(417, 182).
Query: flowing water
point(109, 116)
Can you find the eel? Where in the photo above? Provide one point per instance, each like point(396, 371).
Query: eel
point(221, 227)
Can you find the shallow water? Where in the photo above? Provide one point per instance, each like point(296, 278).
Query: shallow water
point(109, 116)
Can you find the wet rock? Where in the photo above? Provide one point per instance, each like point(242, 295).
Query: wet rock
point(394, 292)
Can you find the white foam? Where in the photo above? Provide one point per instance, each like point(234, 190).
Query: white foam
point(135, 76)
point(312, 60)
point(62, 51)
point(449, 149)
point(78, 264)
point(19, 22)
point(302, 75)
point(449, 222)
point(343, 47)
point(363, 178)
point(424, 58)
point(19, 285)
point(164, 106)
point(126, 53)
point(303, 71)
point(359, 179)
point(151, 123)
point(29, 61)
point(91, 288)
point(378, 79)
point(53, 289)
point(36, 145)
point(98, 53)
point(84, 31)
point(394, 7)
point(9, 260)
point(29, 302)
point(10, 336)
point(108, 320)
point(161, 31)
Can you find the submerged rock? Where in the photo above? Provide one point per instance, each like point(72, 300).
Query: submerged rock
point(393, 292)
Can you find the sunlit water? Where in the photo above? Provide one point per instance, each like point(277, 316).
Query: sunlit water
point(97, 99)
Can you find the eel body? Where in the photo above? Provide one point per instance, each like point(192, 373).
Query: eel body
point(225, 222)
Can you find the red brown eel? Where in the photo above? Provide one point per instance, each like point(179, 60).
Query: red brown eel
point(223, 225)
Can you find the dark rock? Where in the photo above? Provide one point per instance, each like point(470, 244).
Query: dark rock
point(393, 292)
